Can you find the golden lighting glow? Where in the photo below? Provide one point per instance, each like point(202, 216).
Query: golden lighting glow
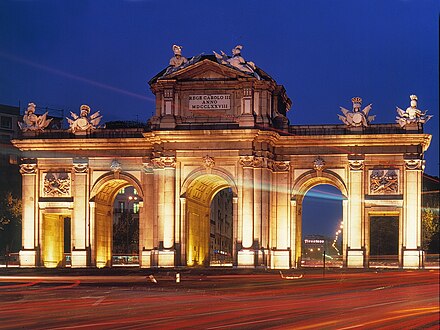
point(199, 196)
point(53, 240)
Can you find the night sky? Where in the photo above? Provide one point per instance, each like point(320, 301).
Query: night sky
point(61, 54)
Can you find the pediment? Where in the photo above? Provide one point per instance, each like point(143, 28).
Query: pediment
point(207, 70)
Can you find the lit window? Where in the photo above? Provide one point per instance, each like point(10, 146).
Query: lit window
point(135, 207)
point(122, 191)
point(121, 205)
point(135, 191)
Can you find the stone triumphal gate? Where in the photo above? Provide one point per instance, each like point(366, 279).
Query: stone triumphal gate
point(220, 122)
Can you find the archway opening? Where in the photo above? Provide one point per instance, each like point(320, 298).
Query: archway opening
point(116, 224)
point(209, 228)
point(322, 227)
point(384, 241)
point(56, 240)
point(125, 248)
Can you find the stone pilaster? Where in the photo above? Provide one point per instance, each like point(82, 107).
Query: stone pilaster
point(246, 118)
point(28, 253)
point(167, 120)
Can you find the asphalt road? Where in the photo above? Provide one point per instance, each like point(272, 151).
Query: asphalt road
point(347, 300)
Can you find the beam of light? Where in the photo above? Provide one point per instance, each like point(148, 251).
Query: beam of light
point(75, 77)
point(324, 195)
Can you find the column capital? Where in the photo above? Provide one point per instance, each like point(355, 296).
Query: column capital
point(28, 166)
point(279, 166)
point(356, 162)
point(415, 164)
point(164, 162)
point(28, 169)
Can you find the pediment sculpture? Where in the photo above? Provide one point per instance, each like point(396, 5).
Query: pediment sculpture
point(84, 121)
point(32, 122)
point(237, 61)
point(178, 61)
point(357, 117)
point(411, 115)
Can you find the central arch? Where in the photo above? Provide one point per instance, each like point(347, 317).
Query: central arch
point(199, 191)
point(102, 199)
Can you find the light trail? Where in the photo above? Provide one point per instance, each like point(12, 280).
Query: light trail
point(75, 77)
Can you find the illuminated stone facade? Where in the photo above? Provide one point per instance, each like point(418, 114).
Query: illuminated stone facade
point(216, 127)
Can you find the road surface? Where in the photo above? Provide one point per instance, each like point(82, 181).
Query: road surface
point(390, 300)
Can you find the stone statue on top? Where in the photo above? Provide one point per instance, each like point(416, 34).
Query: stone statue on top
point(84, 122)
point(357, 117)
point(237, 61)
point(411, 115)
point(32, 122)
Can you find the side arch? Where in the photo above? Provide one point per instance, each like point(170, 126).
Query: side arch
point(310, 179)
point(301, 186)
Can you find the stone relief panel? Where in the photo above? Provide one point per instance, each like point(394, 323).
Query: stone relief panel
point(383, 181)
point(56, 184)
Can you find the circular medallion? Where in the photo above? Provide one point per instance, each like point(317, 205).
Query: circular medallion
point(82, 123)
point(357, 118)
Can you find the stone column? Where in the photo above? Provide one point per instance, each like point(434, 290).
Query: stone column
point(183, 233)
point(165, 168)
point(293, 231)
point(355, 251)
point(344, 231)
point(281, 255)
point(265, 211)
point(79, 213)
point(28, 253)
point(246, 254)
point(412, 222)
point(146, 220)
point(91, 233)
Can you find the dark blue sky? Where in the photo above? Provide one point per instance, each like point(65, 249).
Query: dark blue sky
point(62, 54)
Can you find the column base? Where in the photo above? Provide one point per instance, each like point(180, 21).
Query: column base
point(280, 259)
point(166, 258)
point(355, 258)
point(78, 259)
point(146, 259)
point(412, 259)
point(28, 258)
point(246, 258)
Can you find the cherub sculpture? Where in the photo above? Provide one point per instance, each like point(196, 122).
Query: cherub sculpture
point(32, 122)
point(357, 117)
point(84, 122)
point(411, 115)
point(237, 61)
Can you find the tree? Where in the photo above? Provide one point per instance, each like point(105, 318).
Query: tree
point(430, 228)
point(10, 222)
